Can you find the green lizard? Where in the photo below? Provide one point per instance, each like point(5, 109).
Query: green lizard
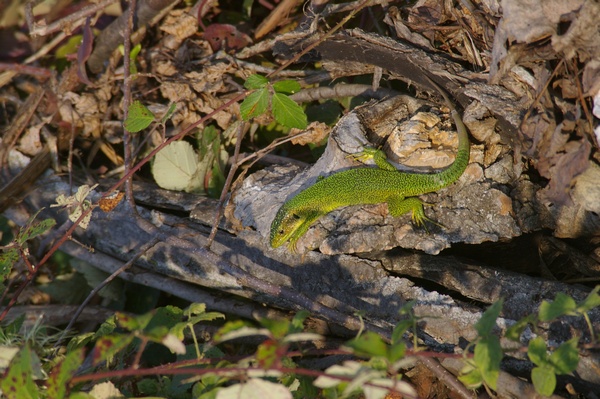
point(368, 186)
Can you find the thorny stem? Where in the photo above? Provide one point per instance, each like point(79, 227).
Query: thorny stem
point(27, 262)
point(126, 101)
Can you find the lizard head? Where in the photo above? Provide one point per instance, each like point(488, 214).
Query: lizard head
point(284, 227)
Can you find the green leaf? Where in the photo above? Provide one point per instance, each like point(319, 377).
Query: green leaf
point(487, 357)
point(194, 309)
point(472, 379)
point(536, 352)
point(298, 321)
point(206, 137)
point(255, 104)
point(544, 380)
point(33, 229)
point(166, 316)
point(108, 346)
point(133, 322)
point(591, 301)
point(18, 382)
point(487, 322)
point(400, 329)
point(266, 353)
point(562, 305)
point(255, 82)
point(156, 334)
point(369, 344)
point(195, 316)
point(69, 47)
point(62, 373)
point(79, 341)
point(81, 395)
point(278, 327)
point(106, 328)
point(132, 56)
point(208, 316)
point(148, 386)
point(514, 332)
point(396, 351)
point(169, 113)
point(228, 327)
point(7, 260)
point(287, 86)
point(287, 112)
point(139, 117)
point(174, 167)
point(566, 357)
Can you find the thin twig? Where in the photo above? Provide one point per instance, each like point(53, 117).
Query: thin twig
point(70, 22)
point(238, 143)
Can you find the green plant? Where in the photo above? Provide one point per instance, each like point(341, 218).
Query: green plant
point(265, 95)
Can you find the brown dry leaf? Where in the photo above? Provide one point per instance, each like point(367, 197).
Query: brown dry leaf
point(185, 115)
point(83, 111)
point(176, 91)
point(209, 103)
point(164, 68)
point(210, 78)
point(226, 35)
point(30, 143)
point(180, 24)
point(543, 17)
point(563, 167)
point(543, 20)
point(591, 80)
point(314, 133)
point(583, 34)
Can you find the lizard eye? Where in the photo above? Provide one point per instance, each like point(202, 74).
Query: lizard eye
point(281, 232)
point(296, 216)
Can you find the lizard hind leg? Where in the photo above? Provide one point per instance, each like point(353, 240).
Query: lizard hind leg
point(399, 206)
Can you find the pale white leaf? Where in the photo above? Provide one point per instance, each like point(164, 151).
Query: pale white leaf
point(381, 387)
point(175, 165)
point(61, 200)
point(363, 375)
point(83, 192)
point(262, 373)
point(348, 369)
point(245, 332)
point(174, 344)
point(299, 337)
point(106, 390)
point(255, 389)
